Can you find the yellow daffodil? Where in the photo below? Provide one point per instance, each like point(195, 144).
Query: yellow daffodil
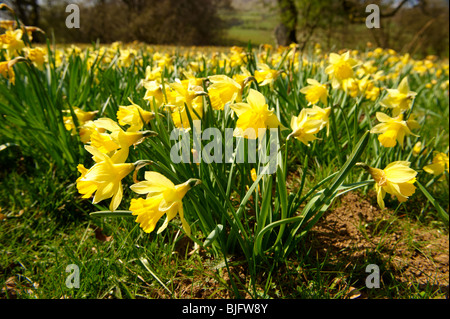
point(396, 179)
point(185, 93)
point(163, 197)
point(253, 174)
point(104, 178)
point(154, 93)
point(7, 71)
point(340, 68)
point(152, 74)
point(265, 75)
point(315, 92)
point(393, 130)
point(351, 86)
point(116, 138)
point(82, 117)
point(418, 149)
point(8, 25)
point(37, 56)
point(238, 56)
point(439, 165)
point(86, 129)
point(323, 115)
point(12, 40)
point(243, 78)
point(223, 90)
point(134, 116)
point(367, 87)
point(399, 99)
point(254, 115)
point(304, 128)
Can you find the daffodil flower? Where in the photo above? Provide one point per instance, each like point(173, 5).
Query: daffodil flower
point(304, 128)
point(418, 149)
point(265, 75)
point(154, 93)
point(117, 138)
point(253, 116)
point(37, 56)
point(7, 71)
point(399, 99)
point(82, 117)
point(163, 197)
point(134, 116)
point(223, 90)
point(315, 92)
point(12, 40)
point(340, 68)
point(439, 165)
point(104, 178)
point(393, 130)
point(396, 179)
point(244, 77)
point(318, 113)
point(187, 93)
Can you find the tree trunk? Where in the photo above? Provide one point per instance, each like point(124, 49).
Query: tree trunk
point(285, 32)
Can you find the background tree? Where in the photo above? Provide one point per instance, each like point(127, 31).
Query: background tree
point(417, 25)
point(153, 21)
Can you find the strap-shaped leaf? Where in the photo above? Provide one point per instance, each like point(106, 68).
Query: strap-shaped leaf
point(442, 213)
point(108, 213)
point(213, 235)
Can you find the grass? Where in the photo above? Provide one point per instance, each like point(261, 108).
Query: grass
point(116, 260)
point(242, 36)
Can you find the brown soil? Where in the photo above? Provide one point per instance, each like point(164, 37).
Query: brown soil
point(357, 231)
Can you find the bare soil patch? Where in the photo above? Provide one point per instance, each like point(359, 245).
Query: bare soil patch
point(356, 231)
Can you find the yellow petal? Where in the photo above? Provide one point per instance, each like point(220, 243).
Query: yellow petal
point(240, 108)
point(383, 117)
point(255, 99)
point(399, 173)
point(116, 199)
point(158, 179)
point(435, 168)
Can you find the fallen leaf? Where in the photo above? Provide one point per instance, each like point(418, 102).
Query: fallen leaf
point(100, 235)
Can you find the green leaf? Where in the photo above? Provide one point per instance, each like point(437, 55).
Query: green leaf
point(442, 213)
point(213, 235)
point(108, 213)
